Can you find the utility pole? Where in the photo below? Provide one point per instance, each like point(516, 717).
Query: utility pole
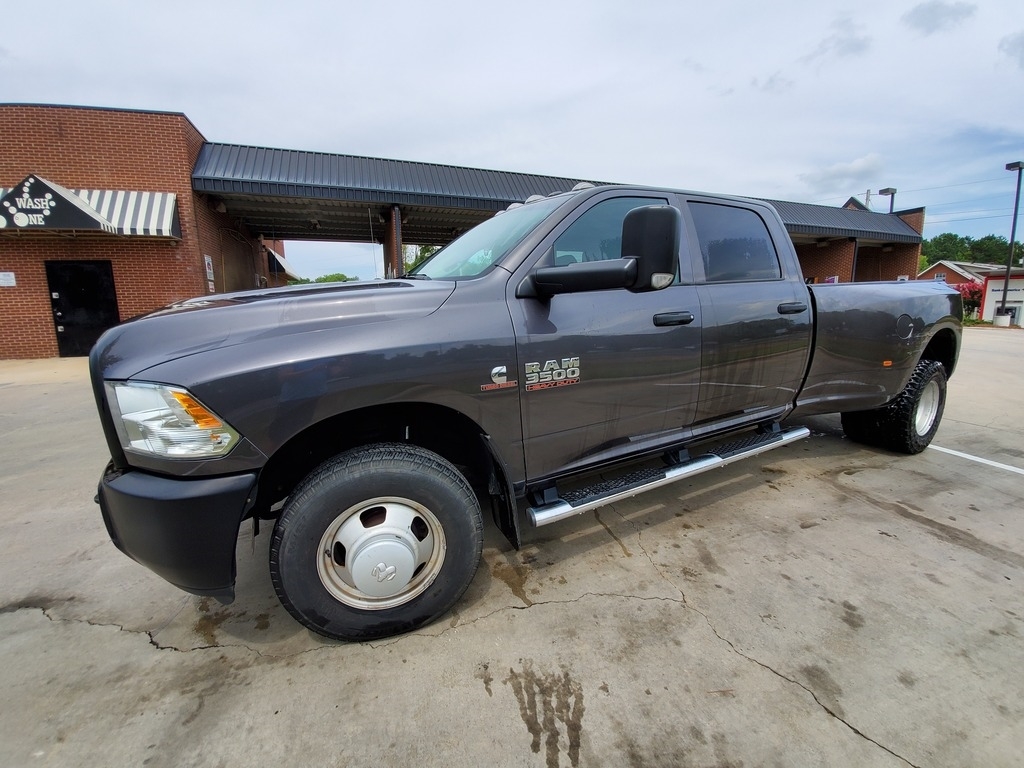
point(1017, 166)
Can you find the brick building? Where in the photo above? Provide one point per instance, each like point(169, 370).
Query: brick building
point(106, 214)
point(71, 270)
point(853, 244)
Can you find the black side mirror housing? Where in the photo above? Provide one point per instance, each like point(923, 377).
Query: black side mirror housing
point(651, 236)
point(575, 278)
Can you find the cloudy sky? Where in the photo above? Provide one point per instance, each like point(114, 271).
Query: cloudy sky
point(810, 100)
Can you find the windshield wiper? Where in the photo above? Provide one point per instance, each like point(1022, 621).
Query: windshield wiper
point(415, 276)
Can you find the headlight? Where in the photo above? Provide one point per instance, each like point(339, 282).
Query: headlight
point(167, 421)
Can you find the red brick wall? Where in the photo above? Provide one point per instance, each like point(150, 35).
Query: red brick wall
point(148, 273)
point(953, 278)
point(875, 264)
point(88, 148)
point(836, 258)
point(914, 219)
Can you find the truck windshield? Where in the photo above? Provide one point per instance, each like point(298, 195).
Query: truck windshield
point(487, 243)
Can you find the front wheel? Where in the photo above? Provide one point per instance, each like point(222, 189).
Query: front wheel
point(376, 542)
point(910, 421)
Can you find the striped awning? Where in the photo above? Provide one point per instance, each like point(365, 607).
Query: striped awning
point(121, 212)
point(153, 214)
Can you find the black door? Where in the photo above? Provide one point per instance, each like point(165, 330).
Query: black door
point(84, 303)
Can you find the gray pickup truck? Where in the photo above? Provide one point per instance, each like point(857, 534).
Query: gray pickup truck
point(567, 353)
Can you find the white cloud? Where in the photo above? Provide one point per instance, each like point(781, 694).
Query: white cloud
point(844, 41)
point(845, 175)
point(936, 15)
point(1013, 46)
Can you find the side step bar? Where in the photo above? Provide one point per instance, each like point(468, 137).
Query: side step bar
point(627, 486)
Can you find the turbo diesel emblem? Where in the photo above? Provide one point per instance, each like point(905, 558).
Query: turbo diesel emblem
point(499, 380)
point(552, 373)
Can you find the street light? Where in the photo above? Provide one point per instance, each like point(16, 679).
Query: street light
point(889, 192)
point(1017, 166)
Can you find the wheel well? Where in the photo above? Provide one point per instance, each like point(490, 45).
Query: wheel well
point(442, 430)
point(942, 348)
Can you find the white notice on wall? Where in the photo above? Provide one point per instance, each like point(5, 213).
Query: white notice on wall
point(209, 267)
point(7, 280)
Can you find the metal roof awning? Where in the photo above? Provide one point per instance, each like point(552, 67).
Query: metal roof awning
point(818, 221)
point(297, 195)
point(279, 265)
point(40, 205)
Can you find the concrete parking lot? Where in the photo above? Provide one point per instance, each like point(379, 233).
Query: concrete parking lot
point(825, 604)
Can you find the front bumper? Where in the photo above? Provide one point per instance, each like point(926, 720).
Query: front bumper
point(183, 530)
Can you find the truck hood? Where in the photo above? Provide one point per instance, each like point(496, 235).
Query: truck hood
point(224, 320)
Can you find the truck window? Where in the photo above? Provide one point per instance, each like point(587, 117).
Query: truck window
point(734, 244)
point(597, 234)
point(486, 244)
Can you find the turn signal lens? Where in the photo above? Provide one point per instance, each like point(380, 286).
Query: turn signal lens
point(160, 420)
point(202, 417)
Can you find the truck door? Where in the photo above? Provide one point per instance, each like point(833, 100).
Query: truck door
point(603, 373)
point(757, 319)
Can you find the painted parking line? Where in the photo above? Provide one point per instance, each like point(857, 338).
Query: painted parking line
point(978, 459)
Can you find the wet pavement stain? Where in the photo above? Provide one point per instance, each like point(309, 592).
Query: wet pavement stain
point(708, 560)
point(514, 574)
point(611, 533)
point(941, 531)
point(851, 617)
point(825, 688)
point(545, 700)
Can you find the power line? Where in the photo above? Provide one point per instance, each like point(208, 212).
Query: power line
point(970, 218)
point(974, 210)
point(921, 189)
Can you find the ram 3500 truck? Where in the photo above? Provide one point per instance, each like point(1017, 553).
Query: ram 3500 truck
point(567, 353)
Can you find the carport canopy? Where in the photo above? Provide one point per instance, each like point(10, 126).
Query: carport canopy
point(286, 194)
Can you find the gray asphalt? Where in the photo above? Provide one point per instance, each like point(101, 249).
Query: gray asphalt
point(823, 604)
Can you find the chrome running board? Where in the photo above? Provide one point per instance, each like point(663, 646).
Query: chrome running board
point(597, 495)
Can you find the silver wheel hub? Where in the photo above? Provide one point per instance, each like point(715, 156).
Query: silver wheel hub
point(927, 408)
point(381, 553)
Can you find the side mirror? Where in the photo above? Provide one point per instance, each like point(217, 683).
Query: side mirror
point(574, 278)
point(651, 236)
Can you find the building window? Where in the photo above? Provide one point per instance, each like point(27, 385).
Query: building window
point(940, 276)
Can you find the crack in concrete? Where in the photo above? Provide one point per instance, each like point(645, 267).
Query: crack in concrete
point(149, 633)
point(813, 695)
point(393, 641)
point(647, 555)
point(683, 601)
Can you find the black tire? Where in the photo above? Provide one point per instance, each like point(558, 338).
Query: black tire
point(375, 542)
point(861, 426)
point(909, 422)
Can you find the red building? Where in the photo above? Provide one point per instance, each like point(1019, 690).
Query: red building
point(99, 223)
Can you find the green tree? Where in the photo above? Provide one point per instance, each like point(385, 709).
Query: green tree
point(337, 277)
point(946, 247)
point(414, 255)
point(990, 249)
